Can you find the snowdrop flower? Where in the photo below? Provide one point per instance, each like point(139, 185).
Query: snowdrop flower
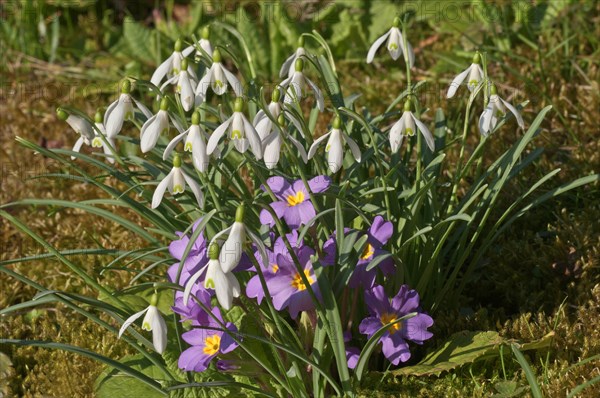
point(296, 86)
point(237, 234)
point(185, 85)
point(272, 144)
point(217, 78)
point(288, 66)
point(405, 127)
point(262, 122)
point(195, 142)
point(121, 110)
point(241, 132)
point(204, 44)
point(171, 66)
point(222, 281)
point(175, 181)
point(475, 74)
point(495, 109)
point(153, 322)
point(155, 126)
point(335, 146)
point(88, 135)
point(395, 44)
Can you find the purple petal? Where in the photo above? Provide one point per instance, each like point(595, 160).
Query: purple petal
point(395, 348)
point(352, 355)
point(228, 344)
point(278, 185)
point(362, 278)
point(369, 326)
point(406, 301)
point(381, 231)
point(415, 328)
point(278, 207)
point(377, 301)
point(298, 215)
point(319, 184)
point(254, 289)
point(177, 247)
point(194, 359)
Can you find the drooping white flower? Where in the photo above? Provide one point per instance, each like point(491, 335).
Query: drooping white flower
point(296, 86)
point(224, 283)
point(492, 113)
point(186, 84)
point(475, 73)
point(171, 66)
point(334, 149)
point(395, 45)
point(175, 182)
point(217, 77)
point(262, 122)
point(87, 134)
point(195, 142)
point(233, 247)
point(272, 144)
point(204, 44)
point(241, 132)
point(157, 125)
point(154, 322)
point(121, 110)
point(405, 127)
point(288, 65)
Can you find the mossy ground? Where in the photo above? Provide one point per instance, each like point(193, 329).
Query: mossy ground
point(541, 276)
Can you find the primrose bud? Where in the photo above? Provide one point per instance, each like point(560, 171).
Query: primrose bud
point(337, 123)
point(477, 58)
point(184, 64)
point(214, 251)
point(239, 104)
point(216, 55)
point(205, 34)
point(396, 22)
point(299, 65)
point(126, 86)
point(176, 161)
point(98, 117)
point(196, 118)
point(61, 114)
point(164, 104)
point(301, 41)
point(407, 105)
point(178, 45)
point(276, 95)
point(239, 213)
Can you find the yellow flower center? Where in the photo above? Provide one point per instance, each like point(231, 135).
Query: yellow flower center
point(388, 318)
point(212, 345)
point(274, 268)
point(298, 283)
point(294, 200)
point(368, 252)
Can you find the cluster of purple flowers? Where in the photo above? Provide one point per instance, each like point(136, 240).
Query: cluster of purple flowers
point(291, 287)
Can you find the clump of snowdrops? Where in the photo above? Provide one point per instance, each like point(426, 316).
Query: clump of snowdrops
point(296, 259)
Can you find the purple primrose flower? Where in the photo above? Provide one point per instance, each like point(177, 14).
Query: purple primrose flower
point(377, 236)
point(293, 200)
point(394, 340)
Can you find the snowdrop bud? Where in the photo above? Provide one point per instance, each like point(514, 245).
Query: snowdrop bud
point(176, 161)
point(126, 87)
point(154, 299)
point(407, 105)
point(164, 104)
point(216, 55)
point(301, 41)
point(239, 213)
point(276, 95)
point(213, 251)
point(239, 104)
point(493, 90)
point(299, 65)
point(98, 117)
point(281, 120)
point(477, 58)
point(178, 45)
point(61, 114)
point(205, 34)
point(196, 118)
point(184, 64)
point(337, 123)
point(396, 22)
